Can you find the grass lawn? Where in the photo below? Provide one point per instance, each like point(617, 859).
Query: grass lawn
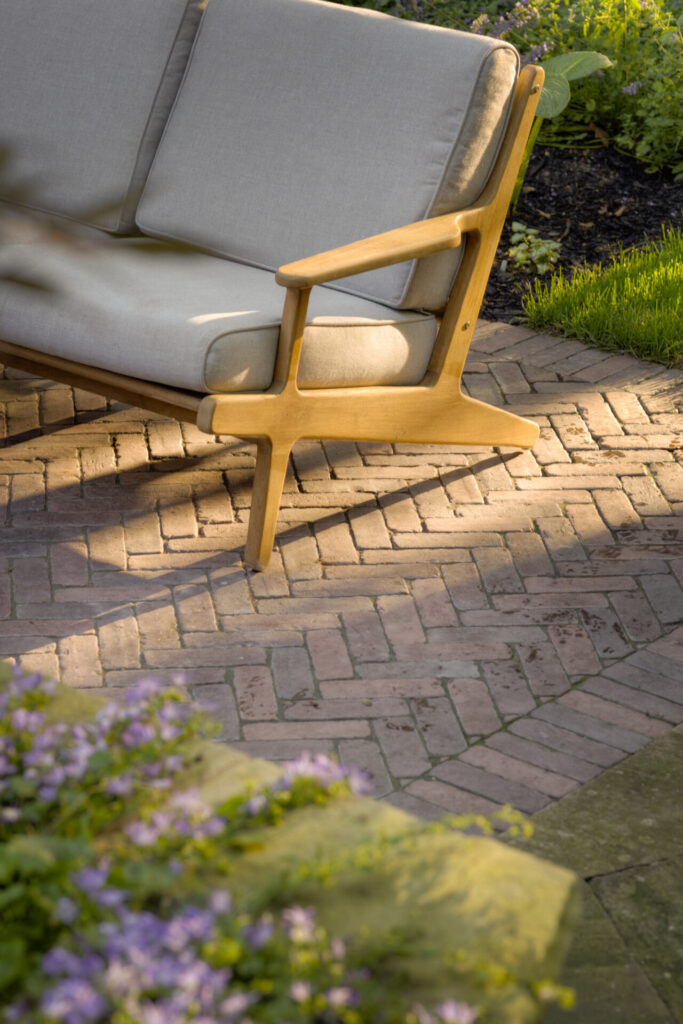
point(635, 304)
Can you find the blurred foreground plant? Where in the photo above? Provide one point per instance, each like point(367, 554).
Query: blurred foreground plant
point(113, 880)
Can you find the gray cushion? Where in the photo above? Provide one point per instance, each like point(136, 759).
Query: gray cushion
point(85, 89)
point(195, 321)
point(303, 125)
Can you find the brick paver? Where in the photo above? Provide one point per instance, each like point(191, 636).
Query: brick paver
point(470, 626)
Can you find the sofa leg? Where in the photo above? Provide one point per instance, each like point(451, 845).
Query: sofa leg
point(271, 468)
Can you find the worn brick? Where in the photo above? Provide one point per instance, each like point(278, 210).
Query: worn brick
point(329, 654)
point(567, 742)
point(400, 620)
point(402, 746)
point(496, 763)
point(508, 688)
point(492, 787)
point(586, 726)
point(255, 694)
point(452, 799)
point(642, 701)
point(433, 603)
point(474, 706)
point(534, 753)
point(613, 713)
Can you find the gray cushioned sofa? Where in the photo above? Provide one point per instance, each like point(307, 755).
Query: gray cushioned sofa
point(247, 136)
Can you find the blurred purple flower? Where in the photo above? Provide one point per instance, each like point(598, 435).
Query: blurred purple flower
point(300, 991)
point(66, 910)
point(298, 924)
point(73, 1001)
point(259, 933)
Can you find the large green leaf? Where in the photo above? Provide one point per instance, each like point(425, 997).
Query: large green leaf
point(578, 64)
point(554, 97)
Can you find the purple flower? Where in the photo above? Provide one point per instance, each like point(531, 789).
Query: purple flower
point(452, 1012)
point(142, 833)
point(300, 991)
point(259, 933)
point(255, 805)
point(66, 910)
point(121, 785)
point(325, 771)
point(220, 901)
point(144, 689)
point(235, 1005)
point(61, 961)
point(137, 734)
point(631, 89)
point(90, 879)
point(27, 721)
point(341, 996)
point(298, 923)
point(73, 1001)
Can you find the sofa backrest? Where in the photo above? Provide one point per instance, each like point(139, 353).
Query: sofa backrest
point(85, 90)
point(302, 125)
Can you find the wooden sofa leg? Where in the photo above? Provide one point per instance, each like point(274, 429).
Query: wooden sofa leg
point(271, 467)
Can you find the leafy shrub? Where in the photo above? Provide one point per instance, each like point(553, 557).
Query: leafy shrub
point(112, 881)
point(637, 103)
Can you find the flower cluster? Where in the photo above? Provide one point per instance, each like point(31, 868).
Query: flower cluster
point(325, 772)
point(183, 815)
point(188, 967)
point(111, 866)
point(523, 15)
point(128, 747)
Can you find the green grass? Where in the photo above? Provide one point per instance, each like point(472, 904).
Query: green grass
point(634, 305)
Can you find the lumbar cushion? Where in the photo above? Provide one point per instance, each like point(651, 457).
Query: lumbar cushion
point(85, 89)
point(195, 321)
point(303, 125)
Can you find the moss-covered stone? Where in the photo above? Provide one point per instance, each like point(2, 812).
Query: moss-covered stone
point(370, 868)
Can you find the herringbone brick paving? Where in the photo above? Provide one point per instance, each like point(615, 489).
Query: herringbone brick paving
point(472, 626)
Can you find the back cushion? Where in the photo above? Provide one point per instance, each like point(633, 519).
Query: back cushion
point(85, 90)
point(303, 125)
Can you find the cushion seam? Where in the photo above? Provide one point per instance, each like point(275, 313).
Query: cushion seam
point(136, 164)
point(163, 134)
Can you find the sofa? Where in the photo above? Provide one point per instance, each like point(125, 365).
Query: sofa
point(277, 217)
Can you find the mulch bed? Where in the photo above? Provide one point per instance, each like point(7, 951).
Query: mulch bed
point(593, 201)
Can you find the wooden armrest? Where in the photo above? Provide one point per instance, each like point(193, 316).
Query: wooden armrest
point(406, 243)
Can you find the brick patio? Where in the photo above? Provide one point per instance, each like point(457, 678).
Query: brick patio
point(472, 626)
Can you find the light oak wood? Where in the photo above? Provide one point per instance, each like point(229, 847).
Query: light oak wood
point(406, 243)
point(180, 405)
point(435, 411)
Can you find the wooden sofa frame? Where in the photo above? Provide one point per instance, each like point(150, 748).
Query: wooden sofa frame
point(432, 412)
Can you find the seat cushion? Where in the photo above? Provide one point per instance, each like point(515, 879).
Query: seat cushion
point(303, 125)
point(85, 89)
point(195, 321)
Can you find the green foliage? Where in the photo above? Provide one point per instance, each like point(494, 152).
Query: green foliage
point(530, 252)
point(637, 104)
point(112, 881)
point(633, 305)
point(560, 71)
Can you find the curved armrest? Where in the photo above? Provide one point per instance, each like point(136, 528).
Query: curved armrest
point(406, 243)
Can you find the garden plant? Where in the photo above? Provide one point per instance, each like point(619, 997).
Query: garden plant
point(115, 881)
point(635, 304)
point(636, 105)
point(613, 79)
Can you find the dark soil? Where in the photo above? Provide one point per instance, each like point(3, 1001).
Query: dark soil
point(593, 201)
